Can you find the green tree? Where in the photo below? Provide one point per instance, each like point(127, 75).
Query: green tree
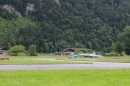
point(125, 39)
point(118, 47)
point(17, 49)
point(32, 50)
point(46, 47)
point(93, 24)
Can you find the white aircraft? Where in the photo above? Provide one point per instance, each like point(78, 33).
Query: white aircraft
point(91, 55)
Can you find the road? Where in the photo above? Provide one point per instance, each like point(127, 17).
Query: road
point(95, 65)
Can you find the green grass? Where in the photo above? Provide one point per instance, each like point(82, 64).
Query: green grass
point(34, 60)
point(115, 59)
point(111, 59)
point(65, 78)
point(27, 62)
point(60, 60)
point(123, 59)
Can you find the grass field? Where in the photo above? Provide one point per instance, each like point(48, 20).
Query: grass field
point(120, 77)
point(41, 60)
point(60, 60)
point(65, 78)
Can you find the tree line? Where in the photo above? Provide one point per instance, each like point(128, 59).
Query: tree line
point(92, 24)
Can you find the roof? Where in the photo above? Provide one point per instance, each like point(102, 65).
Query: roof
point(73, 49)
point(1, 48)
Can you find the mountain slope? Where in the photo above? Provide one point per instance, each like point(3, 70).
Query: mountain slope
point(57, 24)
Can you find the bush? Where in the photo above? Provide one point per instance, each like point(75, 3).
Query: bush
point(16, 49)
point(32, 50)
point(112, 54)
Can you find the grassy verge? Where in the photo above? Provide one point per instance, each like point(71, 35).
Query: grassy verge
point(60, 60)
point(66, 78)
point(113, 59)
point(124, 59)
point(40, 60)
point(28, 62)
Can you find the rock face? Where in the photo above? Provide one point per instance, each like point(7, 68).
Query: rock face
point(12, 10)
point(30, 7)
point(57, 1)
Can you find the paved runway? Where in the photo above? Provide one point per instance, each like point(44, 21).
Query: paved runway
point(95, 65)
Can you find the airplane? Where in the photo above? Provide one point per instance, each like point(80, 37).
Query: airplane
point(72, 56)
point(91, 55)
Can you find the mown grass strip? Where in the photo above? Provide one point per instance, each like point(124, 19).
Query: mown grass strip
point(65, 78)
point(61, 60)
point(28, 62)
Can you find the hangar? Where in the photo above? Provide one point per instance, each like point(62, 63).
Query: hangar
point(68, 51)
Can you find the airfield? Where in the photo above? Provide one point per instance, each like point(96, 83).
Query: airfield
point(58, 71)
point(93, 65)
point(64, 63)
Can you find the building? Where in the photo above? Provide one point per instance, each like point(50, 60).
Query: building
point(3, 52)
point(68, 51)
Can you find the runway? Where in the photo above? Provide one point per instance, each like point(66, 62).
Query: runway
point(95, 65)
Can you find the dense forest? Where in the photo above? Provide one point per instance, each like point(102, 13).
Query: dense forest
point(53, 25)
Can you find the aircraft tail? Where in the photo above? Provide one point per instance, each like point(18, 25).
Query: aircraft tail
point(94, 53)
point(100, 53)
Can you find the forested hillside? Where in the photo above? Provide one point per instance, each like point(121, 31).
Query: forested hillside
point(53, 25)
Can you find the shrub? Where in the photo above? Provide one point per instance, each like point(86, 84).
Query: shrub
point(32, 50)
